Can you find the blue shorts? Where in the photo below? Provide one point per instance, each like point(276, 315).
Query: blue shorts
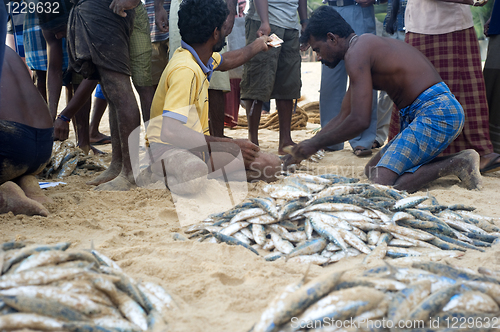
point(428, 126)
point(98, 92)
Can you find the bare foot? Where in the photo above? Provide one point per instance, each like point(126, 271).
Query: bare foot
point(465, 165)
point(13, 199)
point(100, 138)
point(119, 183)
point(108, 175)
point(285, 148)
point(29, 185)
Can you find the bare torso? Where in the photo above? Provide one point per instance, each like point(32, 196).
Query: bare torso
point(392, 66)
point(20, 101)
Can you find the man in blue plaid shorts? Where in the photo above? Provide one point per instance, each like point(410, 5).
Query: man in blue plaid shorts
point(431, 116)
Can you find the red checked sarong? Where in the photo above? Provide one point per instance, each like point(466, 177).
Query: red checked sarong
point(457, 58)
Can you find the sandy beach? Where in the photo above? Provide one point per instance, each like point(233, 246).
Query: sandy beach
point(217, 287)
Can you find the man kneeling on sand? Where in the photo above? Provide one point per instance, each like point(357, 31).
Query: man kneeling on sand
point(431, 116)
point(26, 136)
point(180, 147)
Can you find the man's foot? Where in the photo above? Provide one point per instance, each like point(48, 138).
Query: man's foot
point(285, 149)
point(106, 176)
point(490, 163)
point(465, 165)
point(119, 183)
point(360, 151)
point(13, 199)
point(31, 188)
point(376, 145)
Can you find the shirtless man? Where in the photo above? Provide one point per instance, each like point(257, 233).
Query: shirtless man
point(432, 117)
point(26, 134)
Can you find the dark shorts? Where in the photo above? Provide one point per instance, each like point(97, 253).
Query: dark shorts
point(97, 37)
point(24, 150)
point(274, 74)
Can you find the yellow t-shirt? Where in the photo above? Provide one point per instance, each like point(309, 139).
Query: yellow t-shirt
point(182, 93)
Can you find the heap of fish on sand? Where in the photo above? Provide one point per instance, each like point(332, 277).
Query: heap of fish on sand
point(322, 219)
point(428, 296)
point(49, 288)
point(69, 159)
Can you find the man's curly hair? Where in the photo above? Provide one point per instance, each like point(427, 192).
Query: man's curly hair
point(199, 18)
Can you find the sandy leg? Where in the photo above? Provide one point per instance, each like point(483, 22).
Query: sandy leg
point(29, 185)
point(12, 198)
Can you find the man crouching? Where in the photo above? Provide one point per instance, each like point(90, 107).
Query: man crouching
point(180, 146)
point(431, 116)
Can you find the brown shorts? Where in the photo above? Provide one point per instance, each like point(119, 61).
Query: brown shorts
point(274, 74)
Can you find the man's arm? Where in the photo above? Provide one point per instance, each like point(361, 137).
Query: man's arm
point(238, 57)
point(161, 16)
point(54, 70)
point(262, 8)
point(355, 114)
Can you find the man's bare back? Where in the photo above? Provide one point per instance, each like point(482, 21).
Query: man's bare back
point(394, 67)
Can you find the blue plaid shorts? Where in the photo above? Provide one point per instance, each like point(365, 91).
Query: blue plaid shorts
point(428, 126)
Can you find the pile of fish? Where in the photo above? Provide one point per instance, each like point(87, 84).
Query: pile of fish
point(429, 296)
point(322, 219)
point(49, 288)
point(67, 159)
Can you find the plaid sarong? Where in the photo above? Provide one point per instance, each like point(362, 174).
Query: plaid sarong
point(457, 59)
point(35, 48)
point(428, 126)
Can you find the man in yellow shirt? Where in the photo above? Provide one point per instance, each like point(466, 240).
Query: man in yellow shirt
point(180, 145)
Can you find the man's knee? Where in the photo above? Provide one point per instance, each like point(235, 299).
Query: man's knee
point(381, 175)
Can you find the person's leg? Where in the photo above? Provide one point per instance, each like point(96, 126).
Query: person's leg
point(124, 118)
point(253, 108)
point(285, 108)
point(98, 109)
point(13, 199)
point(29, 184)
point(465, 165)
point(40, 80)
point(216, 107)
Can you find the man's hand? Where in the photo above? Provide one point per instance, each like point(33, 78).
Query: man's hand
point(365, 3)
point(61, 130)
point(264, 30)
point(249, 150)
point(120, 6)
point(161, 19)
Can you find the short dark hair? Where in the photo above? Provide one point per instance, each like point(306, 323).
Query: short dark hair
point(323, 20)
point(199, 18)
